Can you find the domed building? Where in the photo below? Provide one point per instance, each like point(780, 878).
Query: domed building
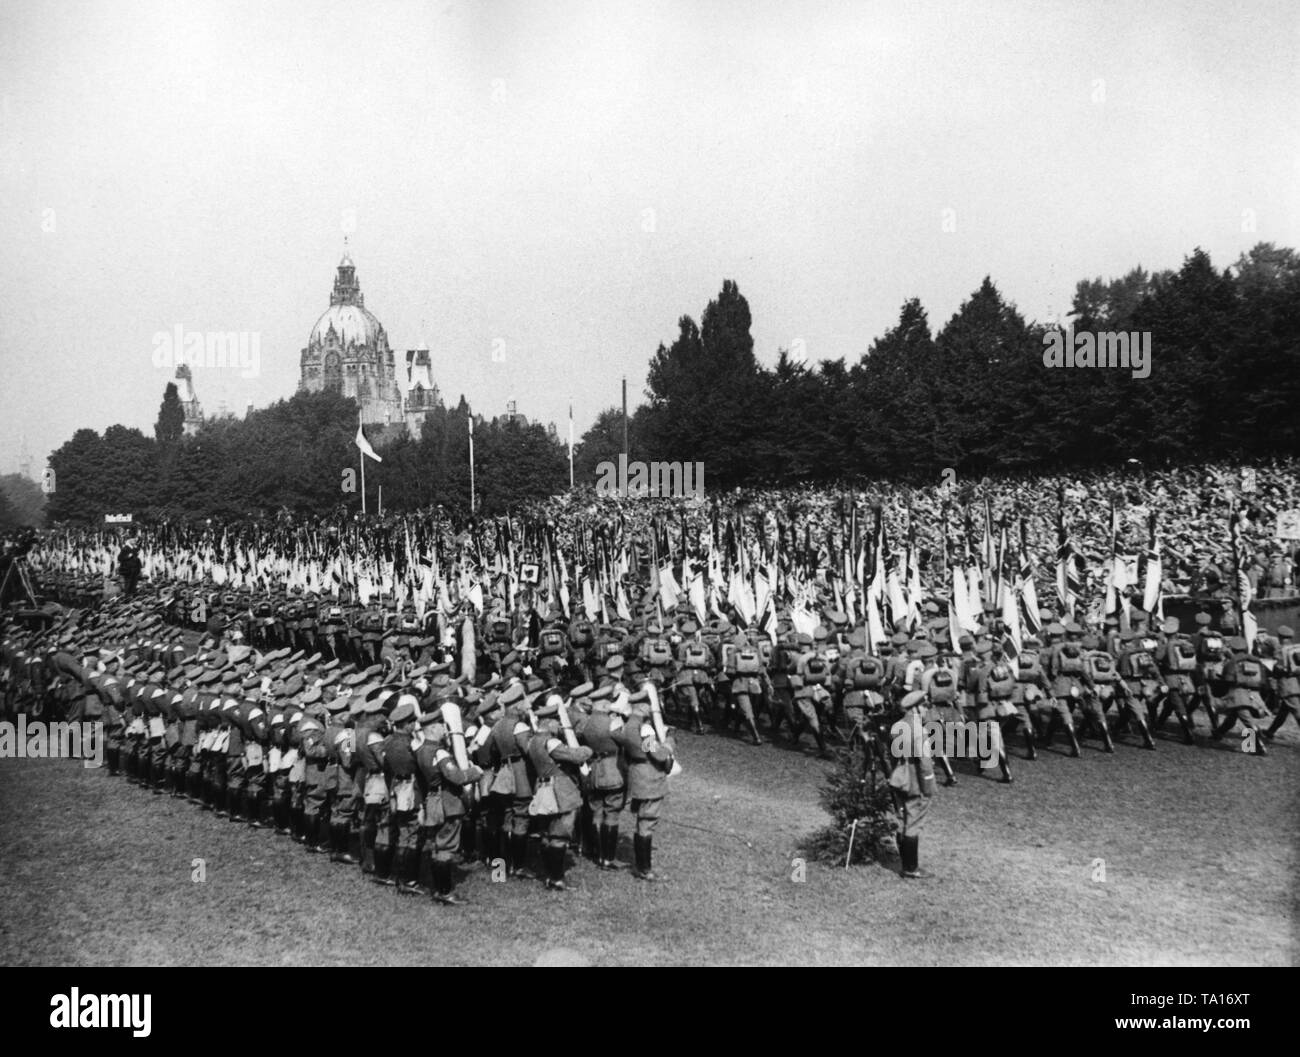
point(348, 353)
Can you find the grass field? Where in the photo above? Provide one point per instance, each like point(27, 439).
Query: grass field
point(1199, 848)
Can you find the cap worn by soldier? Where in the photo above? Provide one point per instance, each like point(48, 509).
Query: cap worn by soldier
point(1284, 631)
point(913, 699)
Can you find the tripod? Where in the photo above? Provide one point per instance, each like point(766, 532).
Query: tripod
point(16, 579)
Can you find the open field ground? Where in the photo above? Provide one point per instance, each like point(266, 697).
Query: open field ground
point(1199, 848)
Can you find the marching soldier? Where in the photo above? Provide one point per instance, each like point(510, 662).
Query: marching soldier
point(1243, 679)
point(1066, 677)
point(1031, 690)
point(995, 687)
point(1176, 659)
point(1286, 677)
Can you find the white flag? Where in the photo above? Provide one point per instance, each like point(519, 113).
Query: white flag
point(364, 445)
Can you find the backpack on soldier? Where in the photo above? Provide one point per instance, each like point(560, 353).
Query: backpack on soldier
point(748, 661)
point(1182, 656)
point(1250, 673)
point(1001, 680)
point(697, 655)
point(1028, 667)
point(582, 634)
point(867, 674)
point(943, 687)
point(500, 631)
point(1101, 667)
point(1071, 655)
point(551, 642)
point(657, 653)
point(816, 671)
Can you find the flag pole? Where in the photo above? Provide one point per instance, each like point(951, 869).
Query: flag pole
point(361, 453)
point(471, 464)
point(570, 446)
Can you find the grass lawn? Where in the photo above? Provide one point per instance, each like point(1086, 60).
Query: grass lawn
point(1199, 848)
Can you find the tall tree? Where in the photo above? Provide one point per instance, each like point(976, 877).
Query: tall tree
point(171, 417)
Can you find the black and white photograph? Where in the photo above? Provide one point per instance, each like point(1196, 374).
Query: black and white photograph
point(668, 483)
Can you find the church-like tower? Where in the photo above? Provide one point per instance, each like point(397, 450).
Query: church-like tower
point(348, 353)
point(189, 400)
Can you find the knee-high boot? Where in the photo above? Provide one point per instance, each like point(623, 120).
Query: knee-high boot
point(384, 865)
point(611, 848)
point(519, 857)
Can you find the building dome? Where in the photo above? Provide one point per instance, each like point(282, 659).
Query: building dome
point(348, 353)
point(353, 325)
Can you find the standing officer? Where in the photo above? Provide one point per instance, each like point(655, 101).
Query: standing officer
point(649, 762)
point(340, 749)
point(444, 786)
point(510, 792)
point(554, 764)
point(912, 781)
point(403, 831)
point(606, 790)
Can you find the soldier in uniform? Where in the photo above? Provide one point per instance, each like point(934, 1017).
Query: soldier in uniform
point(1145, 685)
point(1176, 659)
point(320, 779)
point(1102, 685)
point(694, 670)
point(605, 785)
point(1032, 689)
point(553, 764)
point(1243, 678)
point(1066, 678)
point(371, 729)
point(444, 787)
point(1286, 680)
point(995, 687)
point(402, 834)
point(510, 791)
point(912, 781)
point(340, 756)
point(649, 762)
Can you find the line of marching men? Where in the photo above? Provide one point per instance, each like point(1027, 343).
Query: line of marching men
point(409, 778)
point(820, 684)
point(1074, 680)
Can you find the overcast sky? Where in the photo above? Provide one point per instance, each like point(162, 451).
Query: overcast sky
point(562, 181)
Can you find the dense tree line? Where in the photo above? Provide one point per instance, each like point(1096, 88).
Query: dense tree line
point(300, 455)
point(976, 395)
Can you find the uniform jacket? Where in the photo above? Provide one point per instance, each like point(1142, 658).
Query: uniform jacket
point(551, 759)
point(648, 760)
